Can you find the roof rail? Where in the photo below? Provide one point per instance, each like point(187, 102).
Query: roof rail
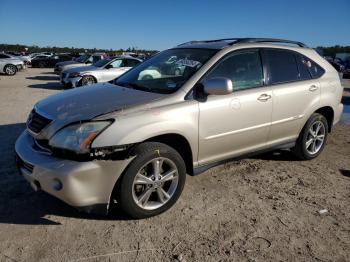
point(269, 40)
point(248, 40)
point(210, 41)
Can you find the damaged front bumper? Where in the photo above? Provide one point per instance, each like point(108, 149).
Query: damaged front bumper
point(85, 185)
point(69, 82)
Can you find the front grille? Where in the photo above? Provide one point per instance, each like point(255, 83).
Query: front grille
point(22, 164)
point(37, 122)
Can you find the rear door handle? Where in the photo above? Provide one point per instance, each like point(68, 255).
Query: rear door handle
point(313, 88)
point(264, 97)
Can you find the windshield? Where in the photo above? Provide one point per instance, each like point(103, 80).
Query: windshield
point(102, 62)
point(82, 59)
point(167, 71)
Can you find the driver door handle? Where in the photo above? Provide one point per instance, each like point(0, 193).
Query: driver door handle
point(313, 88)
point(264, 97)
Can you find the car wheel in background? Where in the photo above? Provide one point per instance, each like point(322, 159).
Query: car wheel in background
point(312, 138)
point(88, 80)
point(10, 70)
point(153, 181)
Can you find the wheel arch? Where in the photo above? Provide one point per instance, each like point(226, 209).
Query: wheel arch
point(4, 68)
point(180, 144)
point(85, 75)
point(328, 113)
point(176, 141)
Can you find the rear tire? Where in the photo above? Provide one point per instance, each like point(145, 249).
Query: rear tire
point(153, 182)
point(10, 70)
point(312, 138)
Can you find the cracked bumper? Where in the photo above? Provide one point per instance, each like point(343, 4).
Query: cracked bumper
point(84, 185)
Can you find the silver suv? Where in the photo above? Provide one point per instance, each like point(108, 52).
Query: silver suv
point(180, 112)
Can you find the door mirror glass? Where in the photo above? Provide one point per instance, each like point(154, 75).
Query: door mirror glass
point(218, 86)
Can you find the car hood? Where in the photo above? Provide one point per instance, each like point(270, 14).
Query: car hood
point(89, 102)
point(74, 65)
point(80, 69)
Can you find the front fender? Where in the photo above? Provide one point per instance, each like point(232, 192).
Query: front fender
point(181, 119)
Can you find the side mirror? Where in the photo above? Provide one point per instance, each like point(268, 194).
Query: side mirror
point(218, 86)
point(109, 66)
point(88, 62)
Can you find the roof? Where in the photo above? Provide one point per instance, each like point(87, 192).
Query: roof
point(221, 43)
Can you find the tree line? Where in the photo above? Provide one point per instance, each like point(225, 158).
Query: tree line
point(327, 51)
point(333, 50)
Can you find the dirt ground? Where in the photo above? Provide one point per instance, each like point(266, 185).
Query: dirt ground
point(264, 208)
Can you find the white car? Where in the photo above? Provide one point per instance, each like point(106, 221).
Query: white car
point(10, 64)
point(101, 71)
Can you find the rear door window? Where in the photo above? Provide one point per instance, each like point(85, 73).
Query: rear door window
point(131, 62)
point(282, 66)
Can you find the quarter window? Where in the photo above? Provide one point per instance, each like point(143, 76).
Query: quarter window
point(315, 70)
point(282, 66)
point(243, 68)
point(304, 73)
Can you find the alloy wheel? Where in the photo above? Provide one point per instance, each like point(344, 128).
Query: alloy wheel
point(315, 137)
point(155, 183)
point(10, 70)
point(88, 80)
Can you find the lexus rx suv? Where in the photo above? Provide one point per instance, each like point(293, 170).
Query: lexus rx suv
point(132, 141)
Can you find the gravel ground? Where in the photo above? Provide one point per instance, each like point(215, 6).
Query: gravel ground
point(264, 208)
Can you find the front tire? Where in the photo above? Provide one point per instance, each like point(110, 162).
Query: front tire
point(88, 80)
point(312, 138)
point(10, 70)
point(153, 182)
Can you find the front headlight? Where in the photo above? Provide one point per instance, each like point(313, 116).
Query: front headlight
point(78, 137)
point(74, 74)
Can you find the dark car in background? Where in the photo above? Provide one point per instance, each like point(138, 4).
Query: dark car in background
point(86, 59)
point(345, 61)
point(338, 66)
point(51, 60)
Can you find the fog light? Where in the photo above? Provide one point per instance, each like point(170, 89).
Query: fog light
point(57, 185)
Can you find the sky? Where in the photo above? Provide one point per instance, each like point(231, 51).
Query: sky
point(156, 24)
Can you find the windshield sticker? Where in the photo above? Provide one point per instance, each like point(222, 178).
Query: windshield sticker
point(187, 62)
